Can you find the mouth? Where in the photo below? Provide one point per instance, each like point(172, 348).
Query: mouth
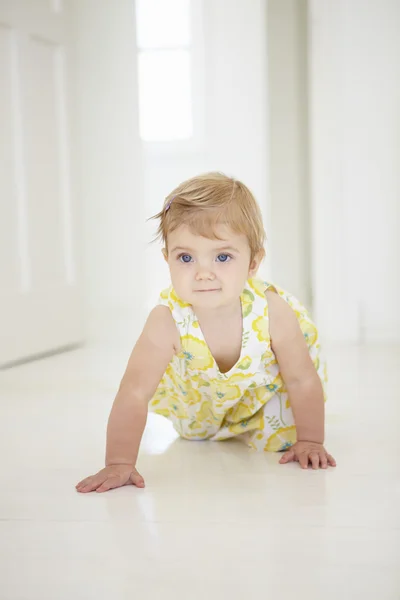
point(205, 291)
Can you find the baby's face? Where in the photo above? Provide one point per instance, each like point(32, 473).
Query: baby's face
point(209, 273)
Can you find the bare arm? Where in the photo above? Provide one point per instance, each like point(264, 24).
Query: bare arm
point(146, 366)
point(298, 372)
point(303, 385)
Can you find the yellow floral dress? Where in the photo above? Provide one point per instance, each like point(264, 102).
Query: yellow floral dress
point(250, 400)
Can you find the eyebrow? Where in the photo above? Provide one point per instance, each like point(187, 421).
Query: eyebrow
point(229, 248)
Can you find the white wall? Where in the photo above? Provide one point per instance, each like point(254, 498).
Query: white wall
point(355, 160)
point(290, 213)
point(232, 38)
point(236, 92)
point(354, 92)
point(110, 161)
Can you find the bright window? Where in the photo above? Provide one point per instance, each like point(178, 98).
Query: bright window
point(164, 41)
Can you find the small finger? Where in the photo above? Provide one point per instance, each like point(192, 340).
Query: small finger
point(83, 482)
point(331, 460)
point(137, 479)
point(314, 458)
point(85, 487)
point(109, 484)
point(89, 487)
point(93, 485)
point(287, 457)
point(323, 460)
point(303, 460)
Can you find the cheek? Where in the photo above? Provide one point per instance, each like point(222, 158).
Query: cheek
point(232, 269)
point(180, 273)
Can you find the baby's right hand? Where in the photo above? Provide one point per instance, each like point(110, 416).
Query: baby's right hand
point(111, 477)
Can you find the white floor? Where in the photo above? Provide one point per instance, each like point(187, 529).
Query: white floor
point(215, 520)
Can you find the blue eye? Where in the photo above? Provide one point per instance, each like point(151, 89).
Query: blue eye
point(185, 258)
point(223, 257)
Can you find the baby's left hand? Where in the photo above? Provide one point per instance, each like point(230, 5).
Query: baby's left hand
point(308, 452)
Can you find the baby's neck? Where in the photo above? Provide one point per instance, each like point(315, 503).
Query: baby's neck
point(220, 314)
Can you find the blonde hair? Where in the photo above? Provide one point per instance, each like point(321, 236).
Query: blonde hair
point(204, 201)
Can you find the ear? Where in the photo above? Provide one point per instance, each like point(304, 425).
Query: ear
point(255, 263)
point(165, 254)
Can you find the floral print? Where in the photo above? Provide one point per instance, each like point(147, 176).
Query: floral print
point(249, 401)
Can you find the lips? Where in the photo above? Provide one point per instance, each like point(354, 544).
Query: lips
point(210, 290)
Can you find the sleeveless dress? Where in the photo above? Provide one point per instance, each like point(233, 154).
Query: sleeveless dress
point(249, 401)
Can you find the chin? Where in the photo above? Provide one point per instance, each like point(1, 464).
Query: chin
point(208, 299)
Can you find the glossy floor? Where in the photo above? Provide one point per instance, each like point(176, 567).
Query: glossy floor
point(215, 520)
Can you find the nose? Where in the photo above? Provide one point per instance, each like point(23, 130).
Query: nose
point(204, 274)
